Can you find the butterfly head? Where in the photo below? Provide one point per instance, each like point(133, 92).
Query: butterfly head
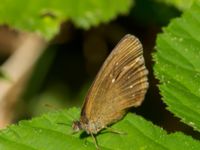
point(76, 126)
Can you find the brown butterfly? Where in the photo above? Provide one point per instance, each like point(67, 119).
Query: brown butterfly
point(120, 84)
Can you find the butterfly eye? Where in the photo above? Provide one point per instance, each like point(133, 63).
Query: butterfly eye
point(76, 126)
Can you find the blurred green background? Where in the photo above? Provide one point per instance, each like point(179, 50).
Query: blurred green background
point(66, 70)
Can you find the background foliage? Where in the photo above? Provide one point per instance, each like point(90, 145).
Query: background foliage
point(64, 72)
point(45, 17)
point(178, 66)
point(39, 132)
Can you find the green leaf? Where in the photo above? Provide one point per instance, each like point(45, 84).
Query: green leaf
point(180, 4)
point(44, 17)
point(47, 133)
point(178, 66)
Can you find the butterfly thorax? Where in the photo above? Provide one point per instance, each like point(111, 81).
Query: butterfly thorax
point(89, 126)
point(92, 127)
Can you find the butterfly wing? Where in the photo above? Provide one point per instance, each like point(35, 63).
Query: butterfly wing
point(120, 84)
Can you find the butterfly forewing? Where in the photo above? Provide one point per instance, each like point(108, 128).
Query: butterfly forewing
point(120, 84)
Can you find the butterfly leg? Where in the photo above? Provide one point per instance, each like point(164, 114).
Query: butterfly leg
point(72, 132)
point(95, 141)
point(114, 131)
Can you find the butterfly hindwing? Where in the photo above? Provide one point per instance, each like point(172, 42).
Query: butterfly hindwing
point(120, 84)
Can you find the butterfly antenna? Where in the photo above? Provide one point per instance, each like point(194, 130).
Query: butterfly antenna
point(65, 124)
point(70, 123)
point(51, 106)
point(95, 141)
point(72, 119)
